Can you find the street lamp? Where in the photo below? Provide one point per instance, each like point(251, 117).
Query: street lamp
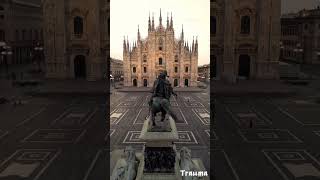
point(38, 55)
point(5, 51)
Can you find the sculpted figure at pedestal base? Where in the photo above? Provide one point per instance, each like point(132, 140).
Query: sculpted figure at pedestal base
point(128, 168)
point(186, 163)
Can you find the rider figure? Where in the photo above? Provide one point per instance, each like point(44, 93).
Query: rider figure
point(160, 99)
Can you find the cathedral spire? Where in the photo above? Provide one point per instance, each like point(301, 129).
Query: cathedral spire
point(149, 23)
point(138, 34)
point(171, 22)
point(196, 45)
point(124, 44)
point(167, 20)
point(182, 34)
point(192, 44)
point(128, 48)
point(160, 18)
point(152, 21)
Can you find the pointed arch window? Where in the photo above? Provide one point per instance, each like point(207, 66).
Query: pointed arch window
point(160, 44)
point(134, 69)
point(144, 58)
point(160, 61)
point(245, 24)
point(176, 58)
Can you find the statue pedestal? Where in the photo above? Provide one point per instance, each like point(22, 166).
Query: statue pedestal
point(159, 159)
point(159, 138)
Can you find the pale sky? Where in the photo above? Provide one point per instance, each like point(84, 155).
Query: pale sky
point(126, 15)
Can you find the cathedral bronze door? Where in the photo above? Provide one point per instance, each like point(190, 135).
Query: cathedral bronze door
point(175, 82)
point(80, 67)
point(244, 66)
point(135, 84)
point(186, 82)
point(145, 83)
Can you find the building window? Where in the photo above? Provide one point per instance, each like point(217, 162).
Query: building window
point(145, 69)
point(1, 15)
point(176, 59)
point(160, 61)
point(78, 25)
point(175, 69)
point(17, 35)
point(30, 35)
point(2, 35)
point(213, 25)
point(160, 44)
point(23, 35)
point(245, 25)
point(41, 34)
point(36, 35)
point(134, 69)
point(144, 58)
point(187, 69)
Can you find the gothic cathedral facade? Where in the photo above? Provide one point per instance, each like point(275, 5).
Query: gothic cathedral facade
point(76, 38)
point(245, 39)
point(145, 58)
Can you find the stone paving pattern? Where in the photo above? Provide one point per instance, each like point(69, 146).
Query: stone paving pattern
point(54, 138)
point(281, 143)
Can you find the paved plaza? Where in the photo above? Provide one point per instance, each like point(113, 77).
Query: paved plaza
point(50, 138)
point(267, 138)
